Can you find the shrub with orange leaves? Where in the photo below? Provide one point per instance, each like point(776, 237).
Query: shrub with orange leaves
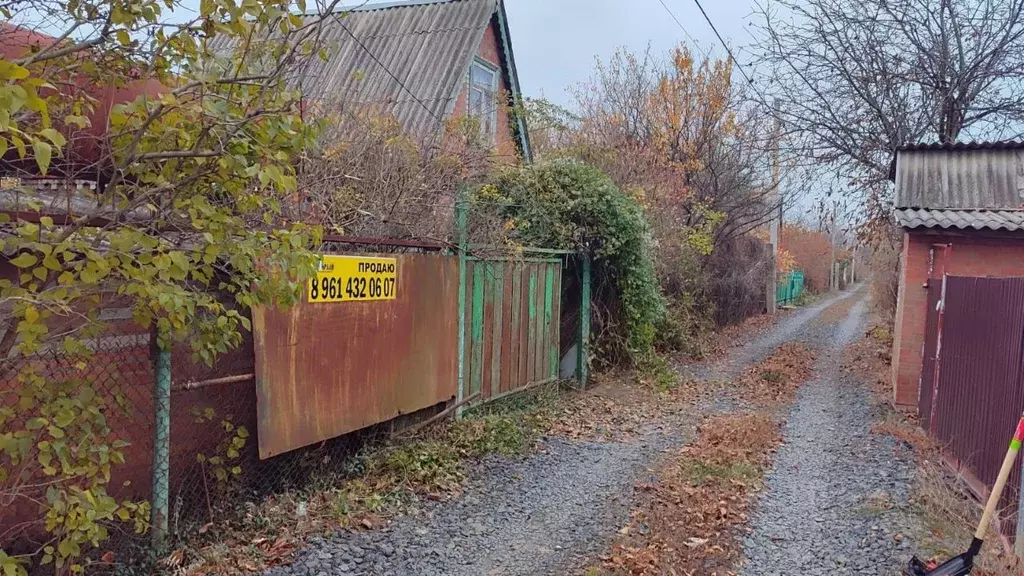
point(811, 254)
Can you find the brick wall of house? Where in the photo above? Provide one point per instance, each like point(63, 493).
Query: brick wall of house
point(490, 51)
point(994, 254)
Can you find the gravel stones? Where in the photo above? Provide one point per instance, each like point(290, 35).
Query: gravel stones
point(517, 516)
point(552, 511)
point(836, 497)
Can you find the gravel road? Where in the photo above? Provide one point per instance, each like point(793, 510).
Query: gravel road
point(549, 512)
point(837, 494)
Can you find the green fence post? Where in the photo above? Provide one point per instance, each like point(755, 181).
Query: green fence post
point(583, 346)
point(161, 438)
point(461, 223)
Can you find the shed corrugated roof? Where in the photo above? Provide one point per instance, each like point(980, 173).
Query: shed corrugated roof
point(968, 176)
point(948, 146)
point(1010, 220)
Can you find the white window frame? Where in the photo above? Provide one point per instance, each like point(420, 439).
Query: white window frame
point(492, 97)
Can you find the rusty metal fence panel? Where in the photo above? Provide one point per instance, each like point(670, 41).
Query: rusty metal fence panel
point(326, 369)
point(512, 325)
point(979, 393)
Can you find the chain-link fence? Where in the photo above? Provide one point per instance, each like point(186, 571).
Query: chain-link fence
point(76, 444)
point(157, 447)
point(72, 418)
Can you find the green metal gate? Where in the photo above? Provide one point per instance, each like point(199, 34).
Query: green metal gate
point(789, 287)
point(511, 325)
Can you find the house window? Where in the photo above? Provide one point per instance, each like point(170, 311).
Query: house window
point(483, 102)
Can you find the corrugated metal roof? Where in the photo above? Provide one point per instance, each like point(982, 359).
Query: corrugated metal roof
point(410, 58)
point(425, 46)
point(947, 146)
point(961, 178)
point(1010, 220)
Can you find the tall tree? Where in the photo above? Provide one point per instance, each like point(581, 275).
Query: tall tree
point(855, 79)
point(156, 149)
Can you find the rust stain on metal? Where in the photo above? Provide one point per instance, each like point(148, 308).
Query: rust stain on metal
point(323, 370)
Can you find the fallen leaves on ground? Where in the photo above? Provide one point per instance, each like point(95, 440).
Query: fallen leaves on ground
point(617, 408)
point(363, 492)
point(777, 378)
point(836, 312)
point(870, 359)
point(690, 520)
point(731, 336)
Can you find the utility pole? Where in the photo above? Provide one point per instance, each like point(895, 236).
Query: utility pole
point(833, 277)
point(775, 223)
point(853, 265)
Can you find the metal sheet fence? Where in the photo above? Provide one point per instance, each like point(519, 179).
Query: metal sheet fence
point(326, 369)
point(789, 287)
point(979, 384)
point(275, 414)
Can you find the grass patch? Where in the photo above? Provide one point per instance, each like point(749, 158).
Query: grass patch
point(776, 378)
point(656, 371)
point(700, 473)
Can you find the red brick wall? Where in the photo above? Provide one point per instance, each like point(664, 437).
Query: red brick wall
point(971, 255)
point(490, 51)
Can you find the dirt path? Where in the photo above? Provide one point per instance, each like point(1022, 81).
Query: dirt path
point(552, 511)
point(836, 496)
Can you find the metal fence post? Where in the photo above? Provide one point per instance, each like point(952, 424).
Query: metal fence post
point(461, 223)
point(161, 439)
point(583, 346)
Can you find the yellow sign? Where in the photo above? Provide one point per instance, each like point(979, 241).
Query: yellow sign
point(345, 278)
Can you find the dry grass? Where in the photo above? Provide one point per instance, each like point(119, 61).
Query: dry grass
point(691, 520)
point(382, 482)
point(870, 358)
point(946, 510)
point(949, 514)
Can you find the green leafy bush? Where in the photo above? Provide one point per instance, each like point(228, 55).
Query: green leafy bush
point(567, 204)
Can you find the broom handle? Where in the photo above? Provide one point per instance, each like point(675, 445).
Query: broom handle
point(1004, 474)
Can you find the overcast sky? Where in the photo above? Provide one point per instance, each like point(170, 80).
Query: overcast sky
point(555, 41)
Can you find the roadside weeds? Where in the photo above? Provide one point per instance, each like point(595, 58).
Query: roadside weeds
point(395, 477)
point(380, 482)
point(945, 510)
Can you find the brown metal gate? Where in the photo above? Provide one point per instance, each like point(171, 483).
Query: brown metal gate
point(979, 385)
point(926, 386)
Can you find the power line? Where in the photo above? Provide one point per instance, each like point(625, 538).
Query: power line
point(678, 23)
point(724, 45)
point(389, 72)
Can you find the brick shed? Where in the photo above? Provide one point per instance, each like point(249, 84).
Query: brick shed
point(960, 207)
